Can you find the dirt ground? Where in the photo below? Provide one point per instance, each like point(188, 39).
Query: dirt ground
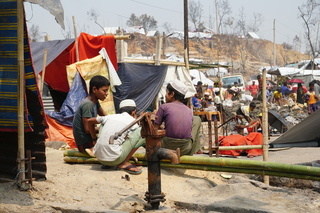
point(89, 188)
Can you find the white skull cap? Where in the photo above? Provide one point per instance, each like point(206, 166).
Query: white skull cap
point(179, 86)
point(127, 103)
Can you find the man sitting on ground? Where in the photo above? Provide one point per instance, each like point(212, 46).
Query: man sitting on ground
point(119, 153)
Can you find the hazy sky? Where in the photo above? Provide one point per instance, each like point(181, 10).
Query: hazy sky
point(116, 13)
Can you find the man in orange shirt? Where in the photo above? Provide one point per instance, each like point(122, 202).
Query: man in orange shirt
point(253, 88)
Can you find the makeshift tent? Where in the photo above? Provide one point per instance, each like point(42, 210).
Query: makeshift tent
point(199, 76)
point(306, 133)
point(62, 53)
point(275, 120)
point(34, 123)
point(216, 72)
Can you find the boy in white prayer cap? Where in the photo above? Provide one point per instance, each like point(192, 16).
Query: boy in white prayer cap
point(182, 128)
point(119, 153)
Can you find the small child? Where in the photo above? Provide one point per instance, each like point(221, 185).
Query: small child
point(85, 134)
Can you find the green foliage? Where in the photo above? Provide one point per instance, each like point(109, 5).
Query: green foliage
point(146, 21)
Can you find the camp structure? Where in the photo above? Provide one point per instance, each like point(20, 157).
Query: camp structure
point(144, 83)
point(20, 101)
point(304, 134)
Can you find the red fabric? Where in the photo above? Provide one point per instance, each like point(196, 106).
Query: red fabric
point(58, 132)
point(89, 47)
point(254, 138)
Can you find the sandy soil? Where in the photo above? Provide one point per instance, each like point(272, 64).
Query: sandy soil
point(89, 188)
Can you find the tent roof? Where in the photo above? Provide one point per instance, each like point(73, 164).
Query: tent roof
point(54, 49)
point(306, 131)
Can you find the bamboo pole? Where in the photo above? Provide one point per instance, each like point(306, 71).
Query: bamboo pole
point(45, 53)
point(234, 170)
point(158, 50)
point(246, 164)
point(21, 88)
point(122, 37)
point(76, 38)
point(265, 127)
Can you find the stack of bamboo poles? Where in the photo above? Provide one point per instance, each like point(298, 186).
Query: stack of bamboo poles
point(240, 166)
point(217, 164)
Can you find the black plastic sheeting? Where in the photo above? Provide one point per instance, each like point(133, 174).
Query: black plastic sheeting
point(76, 93)
point(277, 121)
point(54, 49)
point(304, 132)
point(140, 82)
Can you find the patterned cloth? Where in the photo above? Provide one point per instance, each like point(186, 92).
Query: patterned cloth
point(9, 70)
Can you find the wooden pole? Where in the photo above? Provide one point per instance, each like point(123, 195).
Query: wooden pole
point(186, 30)
point(158, 50)
point(21, 92)
point(274, 44)
point(122, 37)
point(76, 38)
point(44, 65)
point(265, 126)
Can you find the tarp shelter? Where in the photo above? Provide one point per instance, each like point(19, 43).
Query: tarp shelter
point(275, 120)
point(283, 71)
point(216, 72)
point(304, 132)
point(199, 76)
point(63, 53)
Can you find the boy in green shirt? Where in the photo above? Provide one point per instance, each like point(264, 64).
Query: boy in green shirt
point(84, 133)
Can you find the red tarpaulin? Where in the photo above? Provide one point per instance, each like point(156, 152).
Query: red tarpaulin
point(254, 138)
point(89, 47)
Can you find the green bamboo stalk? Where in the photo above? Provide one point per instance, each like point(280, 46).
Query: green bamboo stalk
point(75, 153)
point(234, 170)
point(70, 159)
point(239, 163)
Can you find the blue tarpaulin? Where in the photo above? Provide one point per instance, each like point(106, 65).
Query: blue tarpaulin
point(140, 82)
point(76, 93)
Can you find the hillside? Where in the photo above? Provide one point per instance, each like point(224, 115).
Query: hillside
point(246, 55)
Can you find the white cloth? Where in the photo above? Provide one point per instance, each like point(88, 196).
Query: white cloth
point(114, 78)
point(217, 100)
point(105, 151)
point(247, 97)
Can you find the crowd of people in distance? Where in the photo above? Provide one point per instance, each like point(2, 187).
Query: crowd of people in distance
point(284, 94)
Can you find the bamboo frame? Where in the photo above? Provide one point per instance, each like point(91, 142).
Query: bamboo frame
point(265, 127)
point(45, 53)
point(21, 92)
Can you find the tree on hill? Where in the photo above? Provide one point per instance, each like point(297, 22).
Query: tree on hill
point(223, 10)
point(146, 21)
point(256, 23)
point(195, 15)
point(309, 12)
point(133, 20)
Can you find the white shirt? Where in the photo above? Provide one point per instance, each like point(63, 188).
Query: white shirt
point(105, 151)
